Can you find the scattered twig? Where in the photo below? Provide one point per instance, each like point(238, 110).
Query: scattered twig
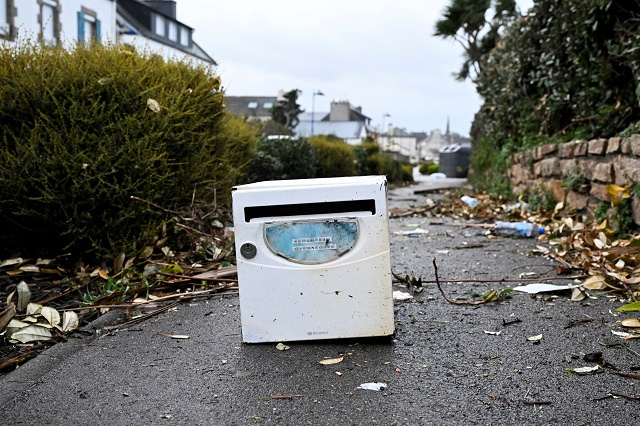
point(575, 322)
point(618, 394)
point(628, 375)
point(455, 302)
point(196, 278)
point(505, 280)
point(133, 197)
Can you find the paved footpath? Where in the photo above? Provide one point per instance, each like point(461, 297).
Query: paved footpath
point(441, 367)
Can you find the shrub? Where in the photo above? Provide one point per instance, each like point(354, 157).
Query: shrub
point(283, 158)
point(335, 157)
point(428, 167)
point(84, 130)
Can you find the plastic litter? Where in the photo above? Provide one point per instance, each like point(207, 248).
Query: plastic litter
point(517, 229)
point(470, 201)
point(401, 296)
point(536, 288)
point(373, 386)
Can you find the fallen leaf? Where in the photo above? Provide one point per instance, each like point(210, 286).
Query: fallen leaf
point(597, 282)
point(69, 321)
point(282, 347)
point(51, 315)
point(584, 370)
point(624, 335)
point(338, 373)
point(630, 322)
point(493, 333)
point(535, 338)
point(577, 295)
point(24, 296)
point(153, 105)
point(146, 252)
point(118, 262)
point(34, 308)
point(32, 333)
point(11, 262)
point(635, 306)
point(30, 268)
point(332, 361)
point(179, 336)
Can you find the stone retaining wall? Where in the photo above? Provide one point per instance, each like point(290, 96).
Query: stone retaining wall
point(600, 161)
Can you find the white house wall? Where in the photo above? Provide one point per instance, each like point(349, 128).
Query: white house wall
point(28, 27)
point(145, 45)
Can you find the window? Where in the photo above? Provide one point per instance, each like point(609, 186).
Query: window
point(173, 31)
point(185, 38)
point(88, 26)
point(49, 21)
point(267, 105)
point(160, 25)
point(7, 13)
point(253, 105)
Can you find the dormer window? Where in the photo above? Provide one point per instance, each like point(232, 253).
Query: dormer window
point(171, 30)
point(268, 105)
point(160, 25)
point(253, 105)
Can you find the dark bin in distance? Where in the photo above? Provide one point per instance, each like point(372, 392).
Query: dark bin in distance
point(454, 161)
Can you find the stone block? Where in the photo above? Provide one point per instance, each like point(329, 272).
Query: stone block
point(569, 167)
point(566, 150)
point(603, 172)
point(537, 153)
point(634, 142)
point(550, 167)
point(555, 186)
point(597, 146)
point(580, 149)
point(625, 146)
point(626, 168)
point(587, 167)
point(537, 169)
point(599, 191)
point(547, 149)
point(519, 174)
point(613, 147)
point(576, 200)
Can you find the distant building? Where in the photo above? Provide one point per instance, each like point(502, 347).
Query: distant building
point(148, 25)
point(429, 146)
point(343, 121)
point(256, 108)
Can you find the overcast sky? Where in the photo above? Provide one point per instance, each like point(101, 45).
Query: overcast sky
point(380, 55)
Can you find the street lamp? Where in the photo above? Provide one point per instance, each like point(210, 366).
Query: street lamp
point(313, 107)
point(382, 128)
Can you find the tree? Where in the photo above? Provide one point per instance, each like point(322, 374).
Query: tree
point(465, 21)
point(286, 110)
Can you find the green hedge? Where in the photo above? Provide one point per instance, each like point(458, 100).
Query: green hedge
point(84, 130)
point(322, 156)
point(567, 70)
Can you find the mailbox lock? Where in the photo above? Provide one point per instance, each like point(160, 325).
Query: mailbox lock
point(248, 250)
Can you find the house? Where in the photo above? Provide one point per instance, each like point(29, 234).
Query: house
point(146, 24)
point(430, 145)
point(257, 108)
point(400, 144)
point(343, 121)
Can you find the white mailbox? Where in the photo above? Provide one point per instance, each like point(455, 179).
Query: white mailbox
point(313, 259)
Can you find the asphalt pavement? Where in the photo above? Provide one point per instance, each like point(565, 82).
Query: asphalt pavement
point(446, 364)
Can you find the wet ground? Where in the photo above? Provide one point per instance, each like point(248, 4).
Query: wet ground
point(446, 364)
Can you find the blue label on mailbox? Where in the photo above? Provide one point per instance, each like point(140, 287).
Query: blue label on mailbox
point(311, 241)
